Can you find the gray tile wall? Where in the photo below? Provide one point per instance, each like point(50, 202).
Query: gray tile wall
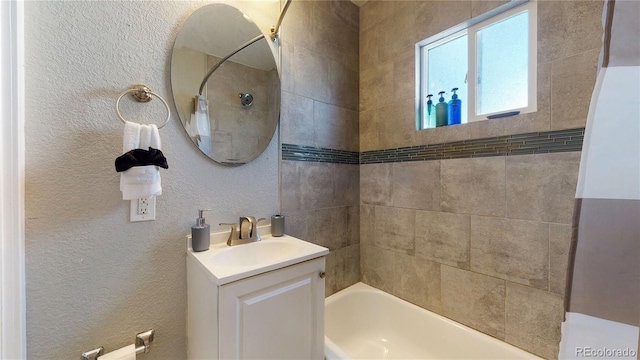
point(320, 204)
point(483, 241)
point(486, 244)
point(320, 109)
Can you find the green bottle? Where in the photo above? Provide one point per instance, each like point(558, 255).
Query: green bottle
point(441, 111)
point(430, 113)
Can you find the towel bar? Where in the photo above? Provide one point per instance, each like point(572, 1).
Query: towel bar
point(142, 93)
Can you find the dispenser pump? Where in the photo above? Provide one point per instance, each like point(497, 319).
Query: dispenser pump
point(454, 96)
point(200, 221)
point(441, 93)
point(429, 99)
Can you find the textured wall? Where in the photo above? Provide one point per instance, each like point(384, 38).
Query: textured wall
point(483, 241)
point(320, 109)
point(93, 278)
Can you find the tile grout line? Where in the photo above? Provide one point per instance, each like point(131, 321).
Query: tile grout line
point(468, 214)
point(506, 205)
point(504, 318)
point(549, 258)
point(469, 242)
point(465, 270)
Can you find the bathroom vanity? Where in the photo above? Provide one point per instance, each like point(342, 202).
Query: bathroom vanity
point(262, 300)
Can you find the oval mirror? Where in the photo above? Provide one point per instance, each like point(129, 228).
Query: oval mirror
point(232, 115)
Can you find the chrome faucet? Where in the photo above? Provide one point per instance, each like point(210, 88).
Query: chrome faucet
point(246, 233)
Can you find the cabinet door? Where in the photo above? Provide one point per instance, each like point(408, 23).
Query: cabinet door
point(277, 315)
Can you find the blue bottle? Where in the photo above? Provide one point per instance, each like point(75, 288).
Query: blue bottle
point(441, 111)
point(454, 115)
point(430, 113)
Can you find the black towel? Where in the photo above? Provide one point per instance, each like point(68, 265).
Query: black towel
point(141, 157)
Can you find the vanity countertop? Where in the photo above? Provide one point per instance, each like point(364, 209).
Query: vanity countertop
point(225, 264)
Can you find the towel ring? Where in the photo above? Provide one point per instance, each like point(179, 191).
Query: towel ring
point(142, 93)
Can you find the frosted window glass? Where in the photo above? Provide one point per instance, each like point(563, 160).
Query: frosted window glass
point(447, 69)
point(502, 51)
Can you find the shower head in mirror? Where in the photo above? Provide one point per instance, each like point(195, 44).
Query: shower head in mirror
point(246, 100)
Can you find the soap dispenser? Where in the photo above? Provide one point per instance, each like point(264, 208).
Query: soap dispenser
point(441, 111)
point(200, 233)
point(430, 113)
point(455, 116)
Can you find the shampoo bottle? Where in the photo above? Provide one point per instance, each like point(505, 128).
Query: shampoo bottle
point(430, 113)
point(441, 111)
point(200, 233)
point(454, 115)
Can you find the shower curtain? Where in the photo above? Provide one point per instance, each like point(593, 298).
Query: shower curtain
point(603, 280)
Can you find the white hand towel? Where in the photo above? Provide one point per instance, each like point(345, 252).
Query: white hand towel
point(149, 137)
point(202, 117)
point(131, 137)
point(140, 181)
point(125, 353)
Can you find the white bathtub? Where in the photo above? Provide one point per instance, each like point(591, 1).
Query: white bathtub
point(362, 322)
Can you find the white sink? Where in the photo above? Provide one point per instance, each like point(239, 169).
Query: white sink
point(268, 251)
point(225, 264)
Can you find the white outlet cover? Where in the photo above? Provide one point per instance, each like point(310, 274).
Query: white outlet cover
point(135, 210)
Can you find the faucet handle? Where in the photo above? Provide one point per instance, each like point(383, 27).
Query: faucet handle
point(234, 231)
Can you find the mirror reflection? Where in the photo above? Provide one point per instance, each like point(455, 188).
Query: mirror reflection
point(232, 114)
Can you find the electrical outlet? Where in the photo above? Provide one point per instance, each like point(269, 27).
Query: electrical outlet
point(143, 206)
point(143, 209)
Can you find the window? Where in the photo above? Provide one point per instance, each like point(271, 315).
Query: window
point(491, 60)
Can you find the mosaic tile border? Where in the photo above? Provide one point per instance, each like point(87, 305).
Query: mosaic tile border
point(520, 144)
point(314, 154)
point(510, 145)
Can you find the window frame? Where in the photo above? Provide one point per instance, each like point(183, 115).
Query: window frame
point(470, 29)
point(423, 58)
point(12, 167)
